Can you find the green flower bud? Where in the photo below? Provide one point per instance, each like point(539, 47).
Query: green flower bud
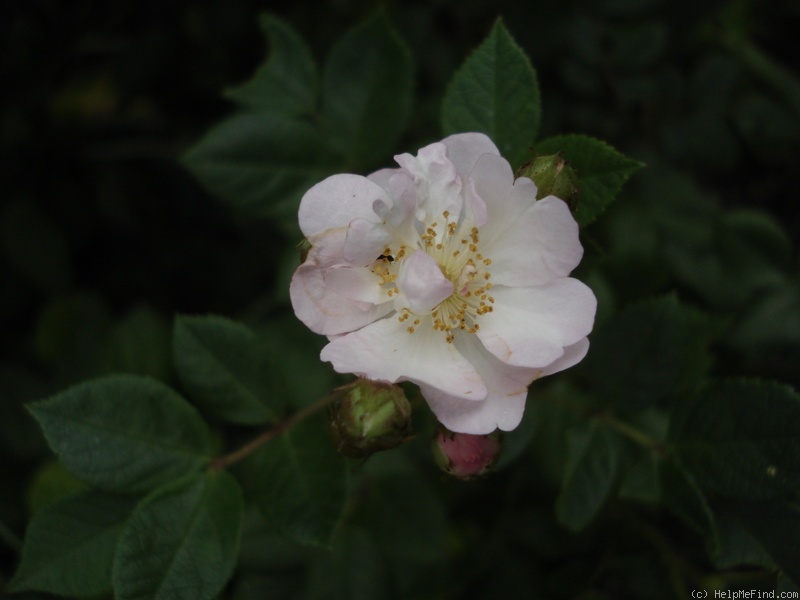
point(370, 416)
point(465, 455)
point(553, 177)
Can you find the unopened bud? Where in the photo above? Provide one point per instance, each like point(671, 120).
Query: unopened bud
point(465, 455)
point(553, 177)
point(369, 417)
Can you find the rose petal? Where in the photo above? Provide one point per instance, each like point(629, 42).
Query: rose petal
point(386, 351)
point(530, 242)
point(324, 311)
point(530, 327)
point(365, 241)
point(504, 403)
point(572, 356)
point(355, 283)
point(437, 182)
point(423, 283)
point(336, 201)
point(463, 150)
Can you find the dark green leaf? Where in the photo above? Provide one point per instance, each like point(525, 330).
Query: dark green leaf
point(596, 457)
point(648, 354)
point(367, 96)
point(287, 83)
point(495, 92)
point(776, 526)
point(601, 171)
point(182, 541)
point(227, 369)
point(741, 438)
point(69, 546)
point(682, 495)
point(737, 546)
point(261, 164)
point(124, 432)
point(299, 483)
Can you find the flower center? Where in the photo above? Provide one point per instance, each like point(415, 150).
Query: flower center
point(455, 250)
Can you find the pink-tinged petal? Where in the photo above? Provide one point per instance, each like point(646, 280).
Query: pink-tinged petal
point(365, 242)
point(423, 283)
point(505, 399)
point(386, 351)
point(334, 202)
point(530, 242)
point(437, 182)
point(382, 177)
point(476, 206)
point(355, 283)
point(404, 195)
point(572, 356)
point(530, 327)
point(324, 311)
point(478, 418)
point(463, 149)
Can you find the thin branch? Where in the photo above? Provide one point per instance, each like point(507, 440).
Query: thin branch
point(227, 460)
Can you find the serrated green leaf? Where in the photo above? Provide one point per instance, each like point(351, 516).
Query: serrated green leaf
point(69, 546)
point(287, 82)
point(596, 457)
point(737, 546)
point(495, 92)
point(299, 483)
point(227, 369)
point(601, 171)
point(182, 541)
point(741, 438)
point(367, 84)
point(261, 164)
point(776, 526)
point(124, 432)
point(648, 354)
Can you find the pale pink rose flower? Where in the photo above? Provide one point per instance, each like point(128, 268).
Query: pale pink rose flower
point(447, 273)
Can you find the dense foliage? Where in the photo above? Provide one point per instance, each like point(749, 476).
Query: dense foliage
point(149, 232)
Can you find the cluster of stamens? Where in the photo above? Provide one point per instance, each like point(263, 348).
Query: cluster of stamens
point(456, 252)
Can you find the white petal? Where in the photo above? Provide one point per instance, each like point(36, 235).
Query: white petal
point(529, 242)
point(505, 399)
point(334, 202)
point(423, 283)
point(437, 181)
point(386, 351)
point(365, 241)
point(324, 311)
point(356, 283)
point(404, 196)
point(530, 327)
point(463, 149)
point(572, 356)
point(382, 177)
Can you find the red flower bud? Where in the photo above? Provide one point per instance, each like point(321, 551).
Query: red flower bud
point(464, 455)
